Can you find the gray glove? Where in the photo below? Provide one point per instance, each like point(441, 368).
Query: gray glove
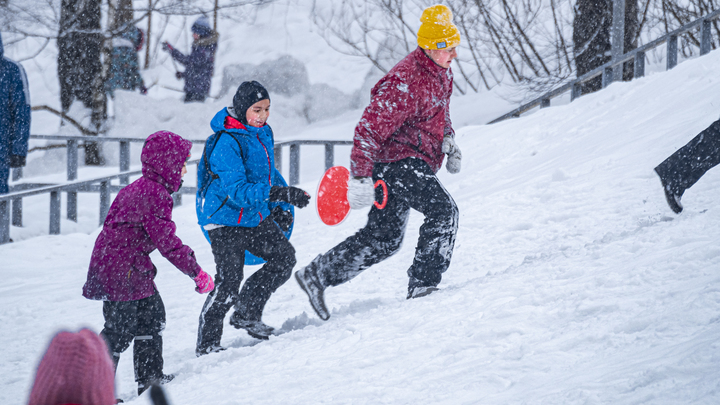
point(361, 192)
point(454, 156)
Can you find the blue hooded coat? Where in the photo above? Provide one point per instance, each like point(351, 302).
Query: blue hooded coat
point(14, 117)
point(244, 162)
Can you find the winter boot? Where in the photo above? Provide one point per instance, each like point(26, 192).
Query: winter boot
point(208, 350)
point(310, 283)
point(144, 385)
point(420, 291)
point(256, 329)
point(672, 195)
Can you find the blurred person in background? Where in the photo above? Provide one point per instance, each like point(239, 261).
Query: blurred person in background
point(75, 369)
point(124, 66)
point(200, 63)
point(14, 117)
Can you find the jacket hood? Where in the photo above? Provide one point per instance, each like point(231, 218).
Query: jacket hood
point(218, 124)
point(163, 157)
point(1, 47)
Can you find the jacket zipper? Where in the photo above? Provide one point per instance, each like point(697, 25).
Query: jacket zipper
point(268, 159)
point(221, 205)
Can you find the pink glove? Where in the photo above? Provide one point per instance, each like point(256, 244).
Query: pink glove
point(204, 283)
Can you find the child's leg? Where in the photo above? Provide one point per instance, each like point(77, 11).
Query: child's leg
point(120, 325)
point(147, 350)
point(269, 243)
point(228, 247)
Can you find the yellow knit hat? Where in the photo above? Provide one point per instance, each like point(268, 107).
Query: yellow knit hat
point(437, 30)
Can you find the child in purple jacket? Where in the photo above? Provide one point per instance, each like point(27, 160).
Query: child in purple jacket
point(121, 273)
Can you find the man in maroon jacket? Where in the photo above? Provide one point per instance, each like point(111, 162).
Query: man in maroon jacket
point(402, 138)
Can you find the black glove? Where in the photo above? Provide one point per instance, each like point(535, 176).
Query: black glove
point(179, 75)
point(282, 218)
point(167, 47)
point(143, 89)
point(290, 195)
point(17, 161)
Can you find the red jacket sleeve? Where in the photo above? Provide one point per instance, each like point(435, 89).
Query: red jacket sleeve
point(390, 106)
point(161, 228)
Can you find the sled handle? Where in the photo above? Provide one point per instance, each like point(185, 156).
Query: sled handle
point(381, 182)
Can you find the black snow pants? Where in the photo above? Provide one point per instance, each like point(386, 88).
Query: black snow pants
point(411, 184)
point(229, 244)
point(142, 320)
point(685, 167)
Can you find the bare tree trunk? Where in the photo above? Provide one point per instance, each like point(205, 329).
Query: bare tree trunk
point(147, 35)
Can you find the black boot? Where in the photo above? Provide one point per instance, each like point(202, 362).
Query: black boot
point(310, 283)
point(144, 385)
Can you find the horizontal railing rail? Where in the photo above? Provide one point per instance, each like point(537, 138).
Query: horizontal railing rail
point(638, 55)
point(11, 204)
point(96, 185)
point(294, 169)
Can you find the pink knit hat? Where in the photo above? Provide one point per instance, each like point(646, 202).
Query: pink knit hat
point(76, 369)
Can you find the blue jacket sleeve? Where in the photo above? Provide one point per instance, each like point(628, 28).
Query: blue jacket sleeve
point(20, 108)
point(227, 162)
point(179, 56)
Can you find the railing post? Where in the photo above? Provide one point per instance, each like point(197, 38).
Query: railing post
point(278, 157)
point(639, 65)
point(17, 212)
point(124, 161)
point(54, 213)
point(294, 163)
point(672, 51)
point(4, 223)
point(72, 159)
point(329, 155)
point(177, 199)
point(576, 91)
point(705, 37)
point(17, 202)
point(607, 77)
point(72, 169)
point(104, 200)
point(545, 103)
point(617, 37)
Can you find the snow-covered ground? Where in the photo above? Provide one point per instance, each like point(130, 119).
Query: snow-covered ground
point(572, 282)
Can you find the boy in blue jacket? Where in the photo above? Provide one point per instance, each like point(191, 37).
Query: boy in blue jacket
point(243, 203)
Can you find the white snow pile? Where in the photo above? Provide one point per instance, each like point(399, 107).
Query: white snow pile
point(571, 283)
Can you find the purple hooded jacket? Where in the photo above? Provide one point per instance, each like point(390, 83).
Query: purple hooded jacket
point(140, 221)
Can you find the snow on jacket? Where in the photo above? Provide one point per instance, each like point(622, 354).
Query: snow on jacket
point(408, 115)
point(124, 66)
point(140, 221)
point(199, 64)
point(14, 115)
point(243, 159)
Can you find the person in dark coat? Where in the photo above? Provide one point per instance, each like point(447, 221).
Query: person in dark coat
point(402, 138)
point(14, 117)
point(121, 273)
point(200, 63)
point(688, 164)
point(124, 65)
point(243, 205)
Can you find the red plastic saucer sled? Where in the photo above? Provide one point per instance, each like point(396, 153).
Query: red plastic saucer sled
point(331, 202)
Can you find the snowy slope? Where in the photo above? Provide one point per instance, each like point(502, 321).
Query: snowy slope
point(572, 282)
